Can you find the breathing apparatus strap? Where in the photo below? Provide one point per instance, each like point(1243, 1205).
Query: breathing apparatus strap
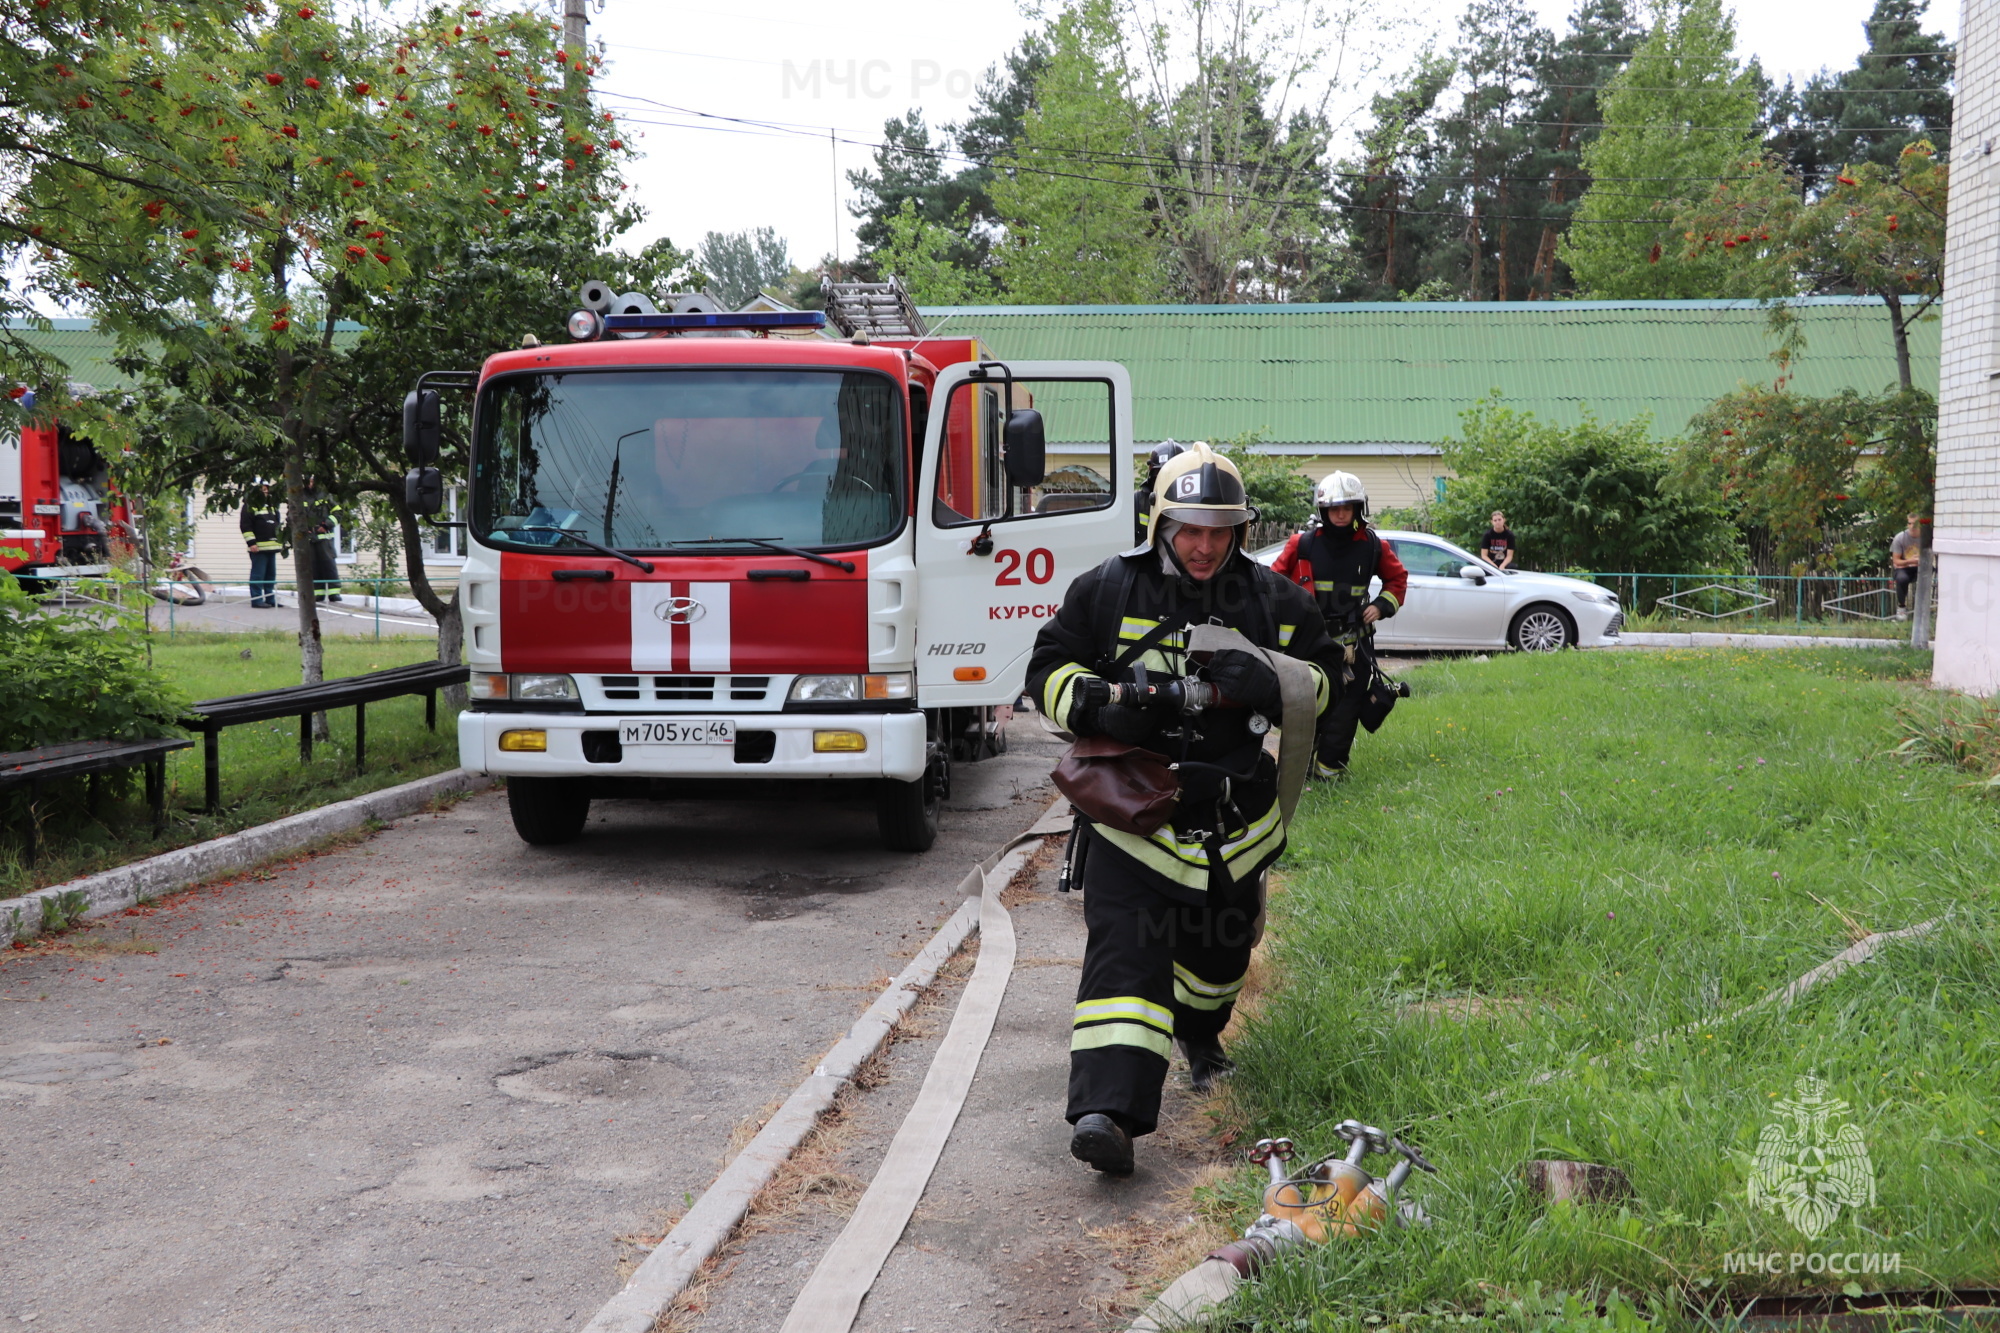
point(1297, 695)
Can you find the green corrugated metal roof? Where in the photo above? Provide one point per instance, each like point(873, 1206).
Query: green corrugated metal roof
point(1376, 373)
point(88, 352)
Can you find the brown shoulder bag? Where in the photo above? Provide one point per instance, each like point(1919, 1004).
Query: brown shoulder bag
point(1119, 786)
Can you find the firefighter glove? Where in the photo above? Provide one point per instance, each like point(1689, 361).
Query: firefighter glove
point(1246, 679)
point(1130, 726)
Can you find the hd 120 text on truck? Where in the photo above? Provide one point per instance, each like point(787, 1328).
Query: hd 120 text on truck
point(718, 554)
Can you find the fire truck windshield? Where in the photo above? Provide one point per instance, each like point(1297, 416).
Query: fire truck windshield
point(647, 459)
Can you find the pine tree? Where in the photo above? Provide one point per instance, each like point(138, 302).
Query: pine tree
point(1899, 92)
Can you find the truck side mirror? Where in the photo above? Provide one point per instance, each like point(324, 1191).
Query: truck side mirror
point(1026, 453)
point(420, 428)
point(423, 490)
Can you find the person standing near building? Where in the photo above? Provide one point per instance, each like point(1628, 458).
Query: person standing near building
point(263, 534)
point(1497, 545)
point(1172, 915)
point(1336, 561)
point(1906, 552)
point(326, 562)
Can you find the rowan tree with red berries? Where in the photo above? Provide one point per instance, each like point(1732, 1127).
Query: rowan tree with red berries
point(1879, 231)
point(1828, 479)
point(295, 167)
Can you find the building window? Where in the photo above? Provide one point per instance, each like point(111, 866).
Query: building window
point(447, 544)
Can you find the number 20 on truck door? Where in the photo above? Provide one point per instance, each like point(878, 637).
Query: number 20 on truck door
point(1040, 567)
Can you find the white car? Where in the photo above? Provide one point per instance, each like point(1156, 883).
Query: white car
point(1458, 600)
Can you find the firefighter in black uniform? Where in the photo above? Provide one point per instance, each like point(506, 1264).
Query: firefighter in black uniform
point(1142, 502)
point(1336, 560)
point(1172, 917)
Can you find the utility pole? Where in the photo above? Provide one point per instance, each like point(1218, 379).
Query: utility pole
point(575, 83)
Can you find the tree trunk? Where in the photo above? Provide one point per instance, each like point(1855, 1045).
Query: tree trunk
point(312, 661)
point(451, 628)
point(1901, 328)
point(1920, 619)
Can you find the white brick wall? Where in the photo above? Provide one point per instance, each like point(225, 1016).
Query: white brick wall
point(1968, 475)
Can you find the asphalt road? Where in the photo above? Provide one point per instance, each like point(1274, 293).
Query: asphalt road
point(233, 614)
point(426, 1081)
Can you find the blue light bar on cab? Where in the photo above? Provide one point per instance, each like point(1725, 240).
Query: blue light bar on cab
point(753, 319)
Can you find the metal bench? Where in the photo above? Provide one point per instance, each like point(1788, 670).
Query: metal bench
point(80, 758)
point(210, 716)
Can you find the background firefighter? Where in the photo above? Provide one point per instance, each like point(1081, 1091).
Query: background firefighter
point(1172, 916)
point(1335, 560)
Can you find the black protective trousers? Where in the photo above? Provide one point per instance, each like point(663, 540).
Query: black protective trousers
point(1153, 969)
point(1343, 711)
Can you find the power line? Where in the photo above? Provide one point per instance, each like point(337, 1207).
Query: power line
point(1196, 193)
point(767, 128)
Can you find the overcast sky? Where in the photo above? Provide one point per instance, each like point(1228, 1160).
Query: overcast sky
point(844, 66)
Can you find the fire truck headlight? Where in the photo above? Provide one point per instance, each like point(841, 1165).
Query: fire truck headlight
point(890, 685)
point(839, 742)
point(585, 326)
point(826, 689)
point(519, 741)
point(487, 685)
point(545, 687)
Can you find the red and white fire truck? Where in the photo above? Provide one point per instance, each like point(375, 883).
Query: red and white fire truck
point(714, 553)
point(57, 506)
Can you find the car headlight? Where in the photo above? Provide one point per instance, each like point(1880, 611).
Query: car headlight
point(544, 687)
point(491, 685)
point(826, 689)
point(853, 689)
point(1597, 595)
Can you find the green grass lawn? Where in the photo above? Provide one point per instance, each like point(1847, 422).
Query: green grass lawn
point(1539, 863)
point(1829, 628)
point(262, 778)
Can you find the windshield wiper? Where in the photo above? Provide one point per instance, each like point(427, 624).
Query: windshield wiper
point(601, 550)
point(769, 545)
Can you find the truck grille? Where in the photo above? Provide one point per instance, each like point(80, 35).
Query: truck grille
point(687, 689)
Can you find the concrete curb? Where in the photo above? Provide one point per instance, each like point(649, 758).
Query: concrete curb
point(116, 889)
point(707, 1226)
point(1752, 641)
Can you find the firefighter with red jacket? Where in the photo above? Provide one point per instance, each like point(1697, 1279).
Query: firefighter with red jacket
point(1335, 561)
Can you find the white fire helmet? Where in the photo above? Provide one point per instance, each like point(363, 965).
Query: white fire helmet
point(1341, 488)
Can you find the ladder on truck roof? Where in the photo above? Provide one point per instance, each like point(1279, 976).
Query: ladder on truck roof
point(875, 309)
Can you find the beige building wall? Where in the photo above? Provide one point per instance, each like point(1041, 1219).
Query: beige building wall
point(1967, 514)
point(219, 550)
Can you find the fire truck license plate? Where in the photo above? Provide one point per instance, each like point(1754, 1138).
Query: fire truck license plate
point(678, 731)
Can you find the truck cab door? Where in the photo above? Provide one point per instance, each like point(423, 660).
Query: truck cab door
point(994, 558)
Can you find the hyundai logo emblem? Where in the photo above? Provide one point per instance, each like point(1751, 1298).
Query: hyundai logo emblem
point(680, 610)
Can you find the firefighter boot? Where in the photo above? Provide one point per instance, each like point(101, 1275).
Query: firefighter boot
point(1206, 1061)
point(1102, 1142)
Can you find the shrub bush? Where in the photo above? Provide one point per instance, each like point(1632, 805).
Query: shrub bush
point(70, 676)
point(1598, 496)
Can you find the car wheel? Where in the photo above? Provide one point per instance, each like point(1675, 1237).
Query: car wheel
point(548, 811)
point(1542, 629)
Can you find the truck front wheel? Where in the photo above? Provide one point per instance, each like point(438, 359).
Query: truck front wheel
point(548, 811)
point(907, 812)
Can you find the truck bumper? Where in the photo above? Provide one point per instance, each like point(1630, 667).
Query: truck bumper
point(896, 748)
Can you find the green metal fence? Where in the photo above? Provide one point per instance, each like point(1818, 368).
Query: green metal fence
point(1757, 598)
point(188, 603)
